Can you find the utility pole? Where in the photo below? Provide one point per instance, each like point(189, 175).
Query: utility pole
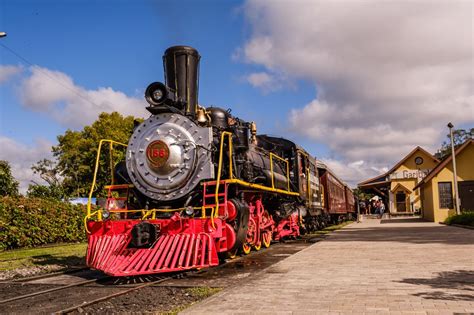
point(453, 156)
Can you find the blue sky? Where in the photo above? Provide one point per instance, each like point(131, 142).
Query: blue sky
point(119, 45)
point(357, 85)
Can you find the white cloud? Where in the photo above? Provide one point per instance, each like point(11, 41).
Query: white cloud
point(21, 157)
point(265, 81)
point(389, 75)
point(7, 71)
point(352, 172)
point(56, 94)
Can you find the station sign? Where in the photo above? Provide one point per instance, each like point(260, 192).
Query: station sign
point(407, 174)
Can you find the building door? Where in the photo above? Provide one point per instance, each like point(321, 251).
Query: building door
point(466, 194)
point(401, 201)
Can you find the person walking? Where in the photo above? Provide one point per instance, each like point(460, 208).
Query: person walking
point(381, 209)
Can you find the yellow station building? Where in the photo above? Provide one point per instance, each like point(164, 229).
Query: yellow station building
point(420, 183)
point(397, 186)
point(437, 193)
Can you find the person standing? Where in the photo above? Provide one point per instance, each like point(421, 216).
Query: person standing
point(362, 208)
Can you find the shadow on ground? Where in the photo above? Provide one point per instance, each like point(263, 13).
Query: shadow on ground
point(66, 261)
point(460, 280)
point(407, 220)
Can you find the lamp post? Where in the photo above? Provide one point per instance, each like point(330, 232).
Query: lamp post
point(3, 34)
point(453, 155)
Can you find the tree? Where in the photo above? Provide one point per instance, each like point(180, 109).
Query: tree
point(49, 172)
point(45, 192)
point(8, 184)
point(77, 150)
point(460, 136)
point(361, 195)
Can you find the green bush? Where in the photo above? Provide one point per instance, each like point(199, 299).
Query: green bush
point(465, 218)
point(27, 222)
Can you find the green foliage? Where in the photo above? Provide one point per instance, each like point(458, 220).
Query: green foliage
point(361, 195)
point(8, 184)
point(465, 218)
point(459, 136)
point(45, 192)
point(77, 150)
point(203, 292)
point(26, 222)
point(57, 254)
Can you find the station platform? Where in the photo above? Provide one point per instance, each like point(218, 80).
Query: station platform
point(389, 266)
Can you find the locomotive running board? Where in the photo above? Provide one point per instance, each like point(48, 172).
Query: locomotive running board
point(170, 253)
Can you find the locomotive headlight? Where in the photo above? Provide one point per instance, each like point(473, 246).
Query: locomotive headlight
point(105, 214)
point(156, 93)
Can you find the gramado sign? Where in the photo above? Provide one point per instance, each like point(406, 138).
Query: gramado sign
point(406, 174)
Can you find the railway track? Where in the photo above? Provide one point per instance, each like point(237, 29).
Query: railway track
point(107, 297)
point(43, 276)
point(85, 293)
point(120, 287)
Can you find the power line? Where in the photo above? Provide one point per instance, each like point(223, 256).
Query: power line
point(47, 75)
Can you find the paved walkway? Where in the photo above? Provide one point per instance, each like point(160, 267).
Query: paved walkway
point(395, 266)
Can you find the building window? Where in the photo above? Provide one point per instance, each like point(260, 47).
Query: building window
point(419, 160)
point(401, 201)
point(445, 190)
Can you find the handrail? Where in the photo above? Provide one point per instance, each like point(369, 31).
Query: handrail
point(287, 169)
point(89, 205)
point(233, 180)
point(309, 186)
point(215, 212)
point(307, 174)
point(261, 187)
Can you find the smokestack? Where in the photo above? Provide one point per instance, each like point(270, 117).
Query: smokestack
point(181, 64)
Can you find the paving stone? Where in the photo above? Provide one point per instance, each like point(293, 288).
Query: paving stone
point(394, 267)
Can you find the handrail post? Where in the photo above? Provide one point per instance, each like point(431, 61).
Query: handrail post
point(111, 154)
point(231, 160)
point(288, 174)
point(309, 187)
point(271, 169)
point(96, 169)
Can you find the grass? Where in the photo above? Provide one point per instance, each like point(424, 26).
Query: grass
point(200, 293)
point(61, 254)
point(203, 292)
point(466, 218)
point(332, 228)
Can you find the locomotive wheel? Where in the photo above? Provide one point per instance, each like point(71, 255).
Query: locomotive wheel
point(250, 238)
point(233, 254)
point(246, 248)
point(266, 239)
point(240, 225)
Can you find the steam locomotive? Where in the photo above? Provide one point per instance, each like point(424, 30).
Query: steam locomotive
point(199, 184)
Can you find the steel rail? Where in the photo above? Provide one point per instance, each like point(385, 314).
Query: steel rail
point(107, 297)
point(21, 297)
point(49, 275)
